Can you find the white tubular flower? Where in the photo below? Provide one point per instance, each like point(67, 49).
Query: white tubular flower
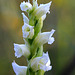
point(28, 31)
point(43, 38)
point(42, 63)
point(21, 49)
point(42, 10)
point(19, 70)
point(25, 19)
point(25, 6)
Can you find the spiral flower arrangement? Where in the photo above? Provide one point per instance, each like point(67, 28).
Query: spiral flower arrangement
point(38, 61)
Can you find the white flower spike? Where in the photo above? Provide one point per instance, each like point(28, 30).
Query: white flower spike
point(42, 63)
point(19, 70)
point(25, 6)
point(34, 40)
point(21, 49)
point(25, 19)
point(42, 10)
point(28, 31)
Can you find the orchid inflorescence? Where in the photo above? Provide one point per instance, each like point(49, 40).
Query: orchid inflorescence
point(38, 61)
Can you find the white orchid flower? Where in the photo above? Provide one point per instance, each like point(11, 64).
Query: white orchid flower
point(42, 10)
point(19, 70)
point(43, 38)
point(21, 49)
point(25, 6)
point(42, 63)
point(25, 19)
point(28, 31)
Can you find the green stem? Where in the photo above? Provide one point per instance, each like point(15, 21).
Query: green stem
point(38, 27)
point(40, 72)
point(40, 51)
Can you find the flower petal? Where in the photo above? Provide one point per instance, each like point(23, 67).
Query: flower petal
point(45, 59)
point(43, 17)
point(51, 39)
point(19, 70)
point(48, 68)
point(25, 19)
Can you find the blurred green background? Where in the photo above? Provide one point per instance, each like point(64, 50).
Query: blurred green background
point(61, 52)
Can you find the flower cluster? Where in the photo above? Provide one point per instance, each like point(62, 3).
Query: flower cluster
point(38, 61)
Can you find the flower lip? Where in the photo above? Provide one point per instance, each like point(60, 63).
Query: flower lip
point(18, 51)
point(51, 39)
point(21, 50)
